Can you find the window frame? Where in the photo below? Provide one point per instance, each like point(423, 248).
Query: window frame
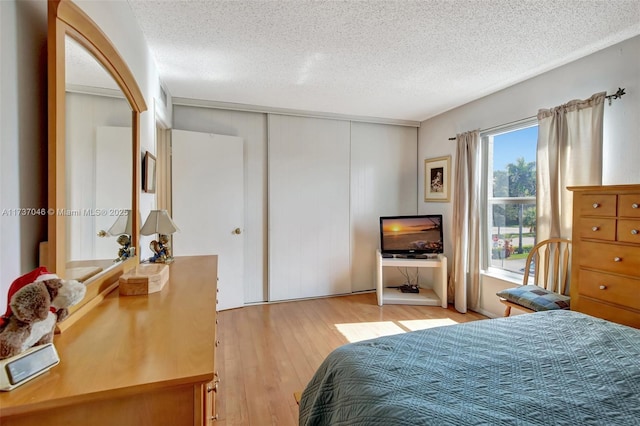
point(486, 187)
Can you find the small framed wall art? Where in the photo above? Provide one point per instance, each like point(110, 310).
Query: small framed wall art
point(437, 179)
point(149, 173)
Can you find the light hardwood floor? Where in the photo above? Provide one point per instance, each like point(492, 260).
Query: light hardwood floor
point(267, 352)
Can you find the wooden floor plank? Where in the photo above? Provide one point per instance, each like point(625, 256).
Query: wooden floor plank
point(268, 352)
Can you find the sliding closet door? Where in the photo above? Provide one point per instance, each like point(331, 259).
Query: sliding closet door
point(383, 183)
point(308, 207)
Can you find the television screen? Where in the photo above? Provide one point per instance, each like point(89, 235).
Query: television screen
point(411, 234)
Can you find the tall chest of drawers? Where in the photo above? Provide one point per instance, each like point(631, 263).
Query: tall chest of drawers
point(605, 267)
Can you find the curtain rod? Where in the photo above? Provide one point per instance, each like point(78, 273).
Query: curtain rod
point(616, 95)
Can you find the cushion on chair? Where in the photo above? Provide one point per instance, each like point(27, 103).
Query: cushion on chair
point(535, 298)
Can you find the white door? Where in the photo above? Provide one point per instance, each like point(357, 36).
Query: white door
point(208, 205)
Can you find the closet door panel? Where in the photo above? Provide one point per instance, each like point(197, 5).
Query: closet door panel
point(383, 183)
point(309, 232)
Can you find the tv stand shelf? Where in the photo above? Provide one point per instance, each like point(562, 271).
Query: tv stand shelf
point(434, 296)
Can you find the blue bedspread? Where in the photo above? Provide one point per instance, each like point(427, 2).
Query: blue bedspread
point(548, 368)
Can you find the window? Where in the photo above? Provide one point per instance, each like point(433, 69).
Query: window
point(510, 189)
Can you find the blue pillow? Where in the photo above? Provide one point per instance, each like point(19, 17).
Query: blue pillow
point(535, 298)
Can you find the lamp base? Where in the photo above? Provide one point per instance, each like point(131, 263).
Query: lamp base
point(125, 251)
point(165, 260)
point(161, 249)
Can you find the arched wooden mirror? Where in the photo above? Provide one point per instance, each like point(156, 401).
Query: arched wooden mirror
point(94, 155)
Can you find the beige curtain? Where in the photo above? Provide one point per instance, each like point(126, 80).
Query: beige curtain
point(464, 284)
point(569, 153)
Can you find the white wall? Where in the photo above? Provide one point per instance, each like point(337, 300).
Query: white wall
point(23, 136)
point(616, 66)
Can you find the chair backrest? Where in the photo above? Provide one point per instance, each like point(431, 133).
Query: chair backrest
point(550, 260)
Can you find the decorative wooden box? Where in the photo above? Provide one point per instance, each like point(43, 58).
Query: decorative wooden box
point(144, 279)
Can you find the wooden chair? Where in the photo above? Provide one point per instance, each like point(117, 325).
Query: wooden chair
point(550, 262)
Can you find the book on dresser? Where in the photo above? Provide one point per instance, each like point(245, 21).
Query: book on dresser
point(605, 268)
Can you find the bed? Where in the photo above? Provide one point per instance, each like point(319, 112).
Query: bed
point(549, 368)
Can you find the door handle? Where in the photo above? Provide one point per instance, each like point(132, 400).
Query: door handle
point(237, 231)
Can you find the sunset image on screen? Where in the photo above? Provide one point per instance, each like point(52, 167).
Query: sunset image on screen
point(422, 234)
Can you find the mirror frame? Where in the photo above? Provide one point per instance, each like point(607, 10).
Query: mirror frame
point(67, 19)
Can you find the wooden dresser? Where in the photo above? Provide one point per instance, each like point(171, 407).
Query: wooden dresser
point(605, 268)
point(132, 360)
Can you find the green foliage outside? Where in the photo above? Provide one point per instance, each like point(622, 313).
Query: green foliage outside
point(502, 253)
point(523, 255)
point(519, 180)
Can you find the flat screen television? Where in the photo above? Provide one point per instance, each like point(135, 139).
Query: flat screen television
point(411, 234)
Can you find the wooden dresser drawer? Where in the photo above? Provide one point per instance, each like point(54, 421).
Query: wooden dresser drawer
point(605, 263)
point(609, 257)
point(597, 205)
point(598, 228)
point(629, 205)
point(608, 312)
point(629, 231)
point(611, 288)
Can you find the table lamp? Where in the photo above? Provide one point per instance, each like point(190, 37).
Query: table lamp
point(159, 222)
point(121, 228)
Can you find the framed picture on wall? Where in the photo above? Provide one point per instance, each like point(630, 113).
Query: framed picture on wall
point(149, 173)
point(437, 179)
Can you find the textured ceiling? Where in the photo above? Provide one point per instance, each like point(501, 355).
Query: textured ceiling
point(406, 60)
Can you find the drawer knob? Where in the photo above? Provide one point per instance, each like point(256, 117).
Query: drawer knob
point(603, 287)
point(596, 205)
point(634, 232)
point(595, 228)
point(617, 259)
point(634, 206)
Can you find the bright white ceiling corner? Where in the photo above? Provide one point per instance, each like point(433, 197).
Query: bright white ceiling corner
point(407, 60)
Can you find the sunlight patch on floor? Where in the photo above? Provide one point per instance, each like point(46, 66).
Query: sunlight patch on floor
point(358, 331)
point(421, 324)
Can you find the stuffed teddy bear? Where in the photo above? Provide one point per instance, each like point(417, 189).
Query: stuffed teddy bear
point(37, 301)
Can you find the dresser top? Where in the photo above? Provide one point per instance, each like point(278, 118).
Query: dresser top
point(129, 344)
point(607, 188)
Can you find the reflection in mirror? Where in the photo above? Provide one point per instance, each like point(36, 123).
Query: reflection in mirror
point(88, 153)
point(98, 163)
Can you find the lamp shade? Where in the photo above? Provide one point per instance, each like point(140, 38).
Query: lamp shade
point(158, 222)
point(122, 225)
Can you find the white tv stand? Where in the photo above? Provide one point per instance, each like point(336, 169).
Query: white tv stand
point(434, 296)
